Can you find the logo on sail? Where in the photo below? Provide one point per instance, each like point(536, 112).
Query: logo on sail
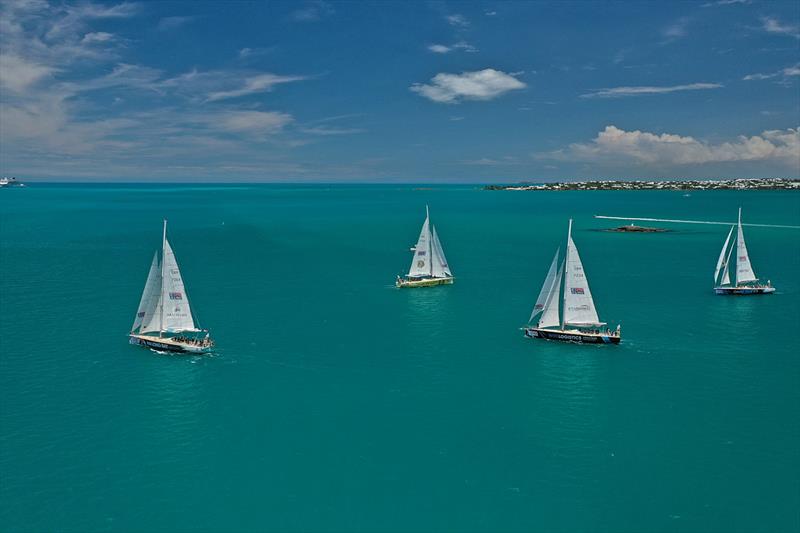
point(140, 314)
point(576, 290)
point(421, 253)
point(175, 296)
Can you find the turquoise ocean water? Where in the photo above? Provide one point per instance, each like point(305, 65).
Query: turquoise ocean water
point(337, 403)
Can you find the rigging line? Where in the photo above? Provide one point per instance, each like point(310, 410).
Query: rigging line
point(695, 222)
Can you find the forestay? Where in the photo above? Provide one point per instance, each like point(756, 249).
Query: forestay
point(152, 290)
point(579, 307)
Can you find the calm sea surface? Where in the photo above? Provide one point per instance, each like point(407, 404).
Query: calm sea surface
point(337, 403)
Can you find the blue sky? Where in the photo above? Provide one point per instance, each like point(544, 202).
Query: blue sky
point(398, 92)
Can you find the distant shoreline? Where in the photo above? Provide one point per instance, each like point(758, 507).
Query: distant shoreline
point(638, 185)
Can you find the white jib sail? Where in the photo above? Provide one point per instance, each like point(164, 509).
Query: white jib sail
point(720, 261)
point(726, 277)
point(744, 270)
point(550, 318)
point(149, 301)
point(547, 288)
point(177, 315)
point(579, 307)
point(421, 262)
point(440, 268)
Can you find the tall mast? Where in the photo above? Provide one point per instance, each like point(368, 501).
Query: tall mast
point(430, 241)
point(163, 257)
point(566, 262)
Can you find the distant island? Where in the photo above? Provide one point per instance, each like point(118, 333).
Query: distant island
point(636, 229)
point(638, 185)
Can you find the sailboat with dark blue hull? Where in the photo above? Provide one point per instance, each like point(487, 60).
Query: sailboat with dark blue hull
point(579, 321)
point(746, 282)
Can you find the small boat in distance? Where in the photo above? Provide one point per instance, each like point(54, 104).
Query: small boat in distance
point(164, 319)
point(428, 266)
point(579, 321)
point(746, 280)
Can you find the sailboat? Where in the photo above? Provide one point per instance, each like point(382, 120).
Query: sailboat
point(746, 280)
point(428, 266)
point(579, 321)
point(164, 319)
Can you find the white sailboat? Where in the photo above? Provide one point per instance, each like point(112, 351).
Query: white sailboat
point(746, 280)
point(164, 319)
point(428, 266)
point(579, 321)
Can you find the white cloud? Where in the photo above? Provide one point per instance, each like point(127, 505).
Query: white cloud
point(793, 70)
point(439, 48)
point(619, 92)
point(677, 29)
point(97, 37)
point(17, 74)
point(258, 122)
point(252, 85)
point(773, 25)
point(614, 145)
point(443, 49)
point(171, 23)
point(312, 11)
point(484, 84)
point(458, 21)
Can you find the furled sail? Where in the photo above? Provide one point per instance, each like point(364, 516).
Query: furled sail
point(744, 270)
point(720, 261)
point(177, 316)
point(439, 266)
point(550, 318)
point(421, 262)
point(579, 307)
point(547, 288)
point(152, 290)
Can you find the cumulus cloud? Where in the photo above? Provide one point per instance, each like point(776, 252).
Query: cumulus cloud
point(619, 92)
point(484, 84)
point(773, 25)
point(614, 145)
point(787, 72)
point(252, 85)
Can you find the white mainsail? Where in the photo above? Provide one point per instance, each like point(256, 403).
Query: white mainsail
point(744, 270)
point(149, 301)
point(421, 262)
point(439, 267)
point(720, 261)
point(171, 310)
point(550, 318)
point(579, 307)
point(176, 314)
point(547, 288)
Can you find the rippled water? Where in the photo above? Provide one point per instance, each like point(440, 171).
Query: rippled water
point(336, 402)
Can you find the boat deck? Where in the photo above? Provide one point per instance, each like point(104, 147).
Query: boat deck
point(168, 344)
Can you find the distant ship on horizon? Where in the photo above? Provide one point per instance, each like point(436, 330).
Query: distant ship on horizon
point(10, 182)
